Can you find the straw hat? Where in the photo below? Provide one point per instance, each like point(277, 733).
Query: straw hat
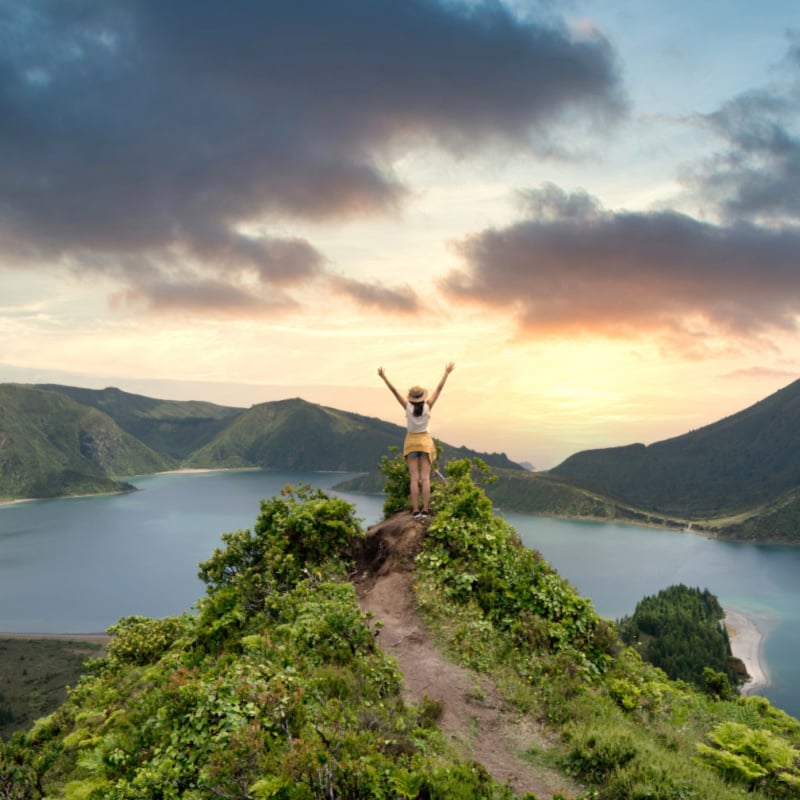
point(416, 394)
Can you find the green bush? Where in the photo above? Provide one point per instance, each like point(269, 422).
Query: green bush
point(397, 483)
point(141, 640)
point(595, 754)
point(470, 554)
point(756, 758)
point(300, 531)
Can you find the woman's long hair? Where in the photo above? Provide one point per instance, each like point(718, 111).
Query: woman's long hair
point(418, 408)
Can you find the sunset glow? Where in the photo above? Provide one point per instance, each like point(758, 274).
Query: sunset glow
point(246, 202)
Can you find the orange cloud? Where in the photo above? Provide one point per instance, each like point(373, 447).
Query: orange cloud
point(572, 268)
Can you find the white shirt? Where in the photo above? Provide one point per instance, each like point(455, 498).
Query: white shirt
point(418, 424)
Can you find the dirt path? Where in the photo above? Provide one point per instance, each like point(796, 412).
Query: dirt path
point(479, 724)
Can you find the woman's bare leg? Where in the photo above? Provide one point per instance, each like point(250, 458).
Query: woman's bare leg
point(425, 479)
point(413, 474)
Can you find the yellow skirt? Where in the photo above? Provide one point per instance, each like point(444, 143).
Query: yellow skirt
point(420, 443)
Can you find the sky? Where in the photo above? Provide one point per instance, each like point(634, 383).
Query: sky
point(591, 207)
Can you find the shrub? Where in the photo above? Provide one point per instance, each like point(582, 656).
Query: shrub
point(141, 640)
point(757, 758)
point(397, 484)
point(472, 555)
point(301, 530)
point(596, 753)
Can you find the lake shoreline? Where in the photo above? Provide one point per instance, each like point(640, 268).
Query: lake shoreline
point(746, 634)
point(100, 638)
point(179, 471)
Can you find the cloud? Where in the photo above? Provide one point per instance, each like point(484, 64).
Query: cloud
point(275, 261)
point(135, 129)
point(571, 267)
point(757, 175)
point(216, 298)
point(402, 300)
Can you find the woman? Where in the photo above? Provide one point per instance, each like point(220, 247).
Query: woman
point(418, 448)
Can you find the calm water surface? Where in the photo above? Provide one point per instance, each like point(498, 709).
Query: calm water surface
point(78, 565)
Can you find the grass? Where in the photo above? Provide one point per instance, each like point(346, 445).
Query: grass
point(34, 676)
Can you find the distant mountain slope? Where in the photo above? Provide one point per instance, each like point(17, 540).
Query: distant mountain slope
point(296, 434)
point(176, 428)
point(743, 461)
point(52, 446)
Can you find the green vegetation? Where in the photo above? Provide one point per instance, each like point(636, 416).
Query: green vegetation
point(680, 630)
point(275, 688)
point(174, 428)
point(51, 446)
point(625, 728)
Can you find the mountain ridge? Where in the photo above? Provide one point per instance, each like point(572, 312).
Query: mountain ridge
point(724, 474)
point(737, 478)
point(52, 446)
point(143, 435)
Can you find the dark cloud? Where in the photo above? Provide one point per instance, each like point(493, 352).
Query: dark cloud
point(399, 300)
point(757, 176)
point(572, 267)
point(131, 126)
point(277, 262)
point(216, 298)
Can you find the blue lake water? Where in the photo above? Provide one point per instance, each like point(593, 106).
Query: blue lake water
point(78, 565)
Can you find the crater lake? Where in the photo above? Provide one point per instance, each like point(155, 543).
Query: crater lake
point(77, 565)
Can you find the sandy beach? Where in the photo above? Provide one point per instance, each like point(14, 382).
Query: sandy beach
point(747, 641)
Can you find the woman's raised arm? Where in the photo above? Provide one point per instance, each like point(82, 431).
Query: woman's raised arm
point(437, 391)
point(400, 398)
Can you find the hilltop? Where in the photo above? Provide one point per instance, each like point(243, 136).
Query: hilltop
point(407, 661)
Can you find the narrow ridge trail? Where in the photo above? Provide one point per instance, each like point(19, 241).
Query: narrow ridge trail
point(477, 721)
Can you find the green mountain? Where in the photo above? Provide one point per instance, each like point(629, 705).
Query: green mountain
point(298, 435)
point(174, 428)
point(146, 435)
point(282, 685)
point(52, 446)
point(744, 465)
point(737, 478)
